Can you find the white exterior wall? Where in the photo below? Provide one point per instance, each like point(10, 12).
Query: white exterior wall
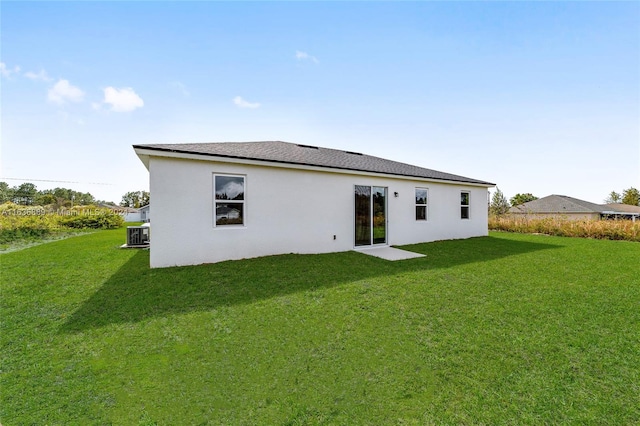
point(290, 211)
point(132, 217)
point(144, 213)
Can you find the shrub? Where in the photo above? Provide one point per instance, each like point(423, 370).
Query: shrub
point(25, 223)
point(95, 219)
point(33, 222)
point(598, 229)
point(10, 235)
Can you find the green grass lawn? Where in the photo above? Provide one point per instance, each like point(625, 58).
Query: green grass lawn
point(507, 329)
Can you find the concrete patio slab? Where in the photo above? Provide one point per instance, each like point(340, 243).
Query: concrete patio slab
point(389, 253)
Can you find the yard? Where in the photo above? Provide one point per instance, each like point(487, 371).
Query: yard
point(507, 329)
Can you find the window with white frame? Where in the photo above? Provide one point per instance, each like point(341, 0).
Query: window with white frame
point(422, 194)
point(229, 199)
point(464, 205)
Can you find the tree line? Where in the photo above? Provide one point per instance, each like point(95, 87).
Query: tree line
point(499, 204)
point(27, 194)
point(629, 196)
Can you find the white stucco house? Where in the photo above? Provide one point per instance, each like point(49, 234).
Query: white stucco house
point(233, 200)
point(129, 214)
point(145, 213)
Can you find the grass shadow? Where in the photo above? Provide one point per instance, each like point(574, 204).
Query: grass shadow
point(135, 292)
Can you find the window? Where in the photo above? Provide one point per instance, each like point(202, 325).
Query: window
point(228, 200)
point(421, 203)
point(464, 205)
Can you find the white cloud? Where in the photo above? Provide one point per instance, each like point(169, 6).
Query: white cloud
point(63, 92)
point(180, 87)
point(232, 190)
point(41, 76)
point(304, 56)
point(241, 103)
point(122, 100)
point(6, 72)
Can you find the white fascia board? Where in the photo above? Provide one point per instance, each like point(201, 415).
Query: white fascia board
point(144, 155)
point(145, 160)
point(620, 213)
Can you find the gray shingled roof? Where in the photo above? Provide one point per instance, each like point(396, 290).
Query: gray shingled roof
point(623, 208)
point(291, 153)
point(558, 204)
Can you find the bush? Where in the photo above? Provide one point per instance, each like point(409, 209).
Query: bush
point(97, 219)
point(598, 229)
point(10, 235)
point(25, 223)
point(34, 222)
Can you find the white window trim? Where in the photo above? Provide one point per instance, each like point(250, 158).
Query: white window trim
point(468, 206)
point(426, 205)
point(243, 202)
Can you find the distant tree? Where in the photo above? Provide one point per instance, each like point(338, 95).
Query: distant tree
point(130, 199)
point(28, 194)
point(45, 198)
point(631, 196)
point(518, 199)
point(613, 198)
point(63, 197)
point(6, 193)
point(62, 193)
point(499, 204)
point(25, 194)
point(83, 198)
point(135, 199)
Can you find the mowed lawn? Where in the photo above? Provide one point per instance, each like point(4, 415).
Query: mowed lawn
point(507, 329)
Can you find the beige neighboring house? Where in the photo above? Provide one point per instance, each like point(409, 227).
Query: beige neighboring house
point(624, 210)
point(564, 207)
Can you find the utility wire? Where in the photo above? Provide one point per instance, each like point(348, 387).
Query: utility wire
point(56, 181)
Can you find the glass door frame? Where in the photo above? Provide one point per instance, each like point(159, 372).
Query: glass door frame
point(360, 239)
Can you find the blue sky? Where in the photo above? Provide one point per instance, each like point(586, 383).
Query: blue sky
point(540, 97)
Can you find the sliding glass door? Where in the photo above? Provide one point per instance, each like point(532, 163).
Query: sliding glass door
point(363, 215)
point(379, 215)
point(370, 215)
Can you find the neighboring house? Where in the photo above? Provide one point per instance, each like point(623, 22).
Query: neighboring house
point(227, 214)
point(250, 199)
point(129, 214)
point(144, 213)
point(621, 211)
point(561, 206)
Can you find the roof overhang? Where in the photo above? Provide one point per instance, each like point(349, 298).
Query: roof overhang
point(145, 153)
point(619, 213)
